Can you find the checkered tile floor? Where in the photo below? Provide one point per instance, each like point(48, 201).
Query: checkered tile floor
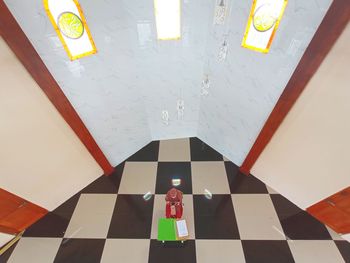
point(244, 221)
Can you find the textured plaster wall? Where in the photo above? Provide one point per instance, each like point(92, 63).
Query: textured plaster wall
point(121, 91)
point(41, 158)
point(308, 158)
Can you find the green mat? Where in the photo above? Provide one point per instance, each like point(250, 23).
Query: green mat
point(167, 229)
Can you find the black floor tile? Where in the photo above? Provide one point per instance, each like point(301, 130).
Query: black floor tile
point(80, 250)
point(296, 223)
point(344, 249)
point(172, 252)
point(269, 251)
point(51, 225)
point(6, 255)
point(55, 223)
point(67, 208)
point(149, 153)
point(214, 218)
point(170, 170)
point(132, 217)
point(203, 152)
point(242, 184)
point(106, 184)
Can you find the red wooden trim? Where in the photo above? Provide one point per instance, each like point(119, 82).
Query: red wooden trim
point(16, 213)
point(334, 211)
point(326, 35)
point(25, 52)
point(8, 230)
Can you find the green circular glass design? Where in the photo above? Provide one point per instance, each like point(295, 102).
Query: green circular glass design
point(70, 25)
point(264, 18)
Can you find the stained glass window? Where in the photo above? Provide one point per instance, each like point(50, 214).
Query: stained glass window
point(69, 22)
point(168, 19)
point(263, 21)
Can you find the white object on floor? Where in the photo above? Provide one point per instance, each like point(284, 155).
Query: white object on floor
point(181, 228)
point(5, 238)
point(346, 237)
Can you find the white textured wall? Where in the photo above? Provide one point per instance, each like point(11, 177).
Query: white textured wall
point(41, 158)
point(308, 158)
point(120, 92)
point(246, 86)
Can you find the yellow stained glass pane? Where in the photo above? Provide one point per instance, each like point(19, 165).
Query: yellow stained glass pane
point(70, 25)
point(264, 18)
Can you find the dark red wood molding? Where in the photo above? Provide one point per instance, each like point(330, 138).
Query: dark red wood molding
point(326, 35)
point(13, 35)
point(16, 213)
point(334, 211)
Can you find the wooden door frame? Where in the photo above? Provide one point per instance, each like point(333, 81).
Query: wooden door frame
point(331, 27)
point(18, 42)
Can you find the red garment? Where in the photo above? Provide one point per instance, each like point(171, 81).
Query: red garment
point(177, 210)
point(174, 205)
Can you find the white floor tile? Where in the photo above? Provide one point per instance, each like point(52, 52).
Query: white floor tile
point(5, 238)
point(256, 217)
point(219, 251)
point(92, 216)
point(320, 251)
point(334, 235)
point(126, 251)
point(211, 176)
point(138, 178)
point(189, 215)
point(177, 150)
point(35, 250)
point(271, 190)
point(158, 212)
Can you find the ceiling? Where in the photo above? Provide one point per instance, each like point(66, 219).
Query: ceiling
point(121, 91)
